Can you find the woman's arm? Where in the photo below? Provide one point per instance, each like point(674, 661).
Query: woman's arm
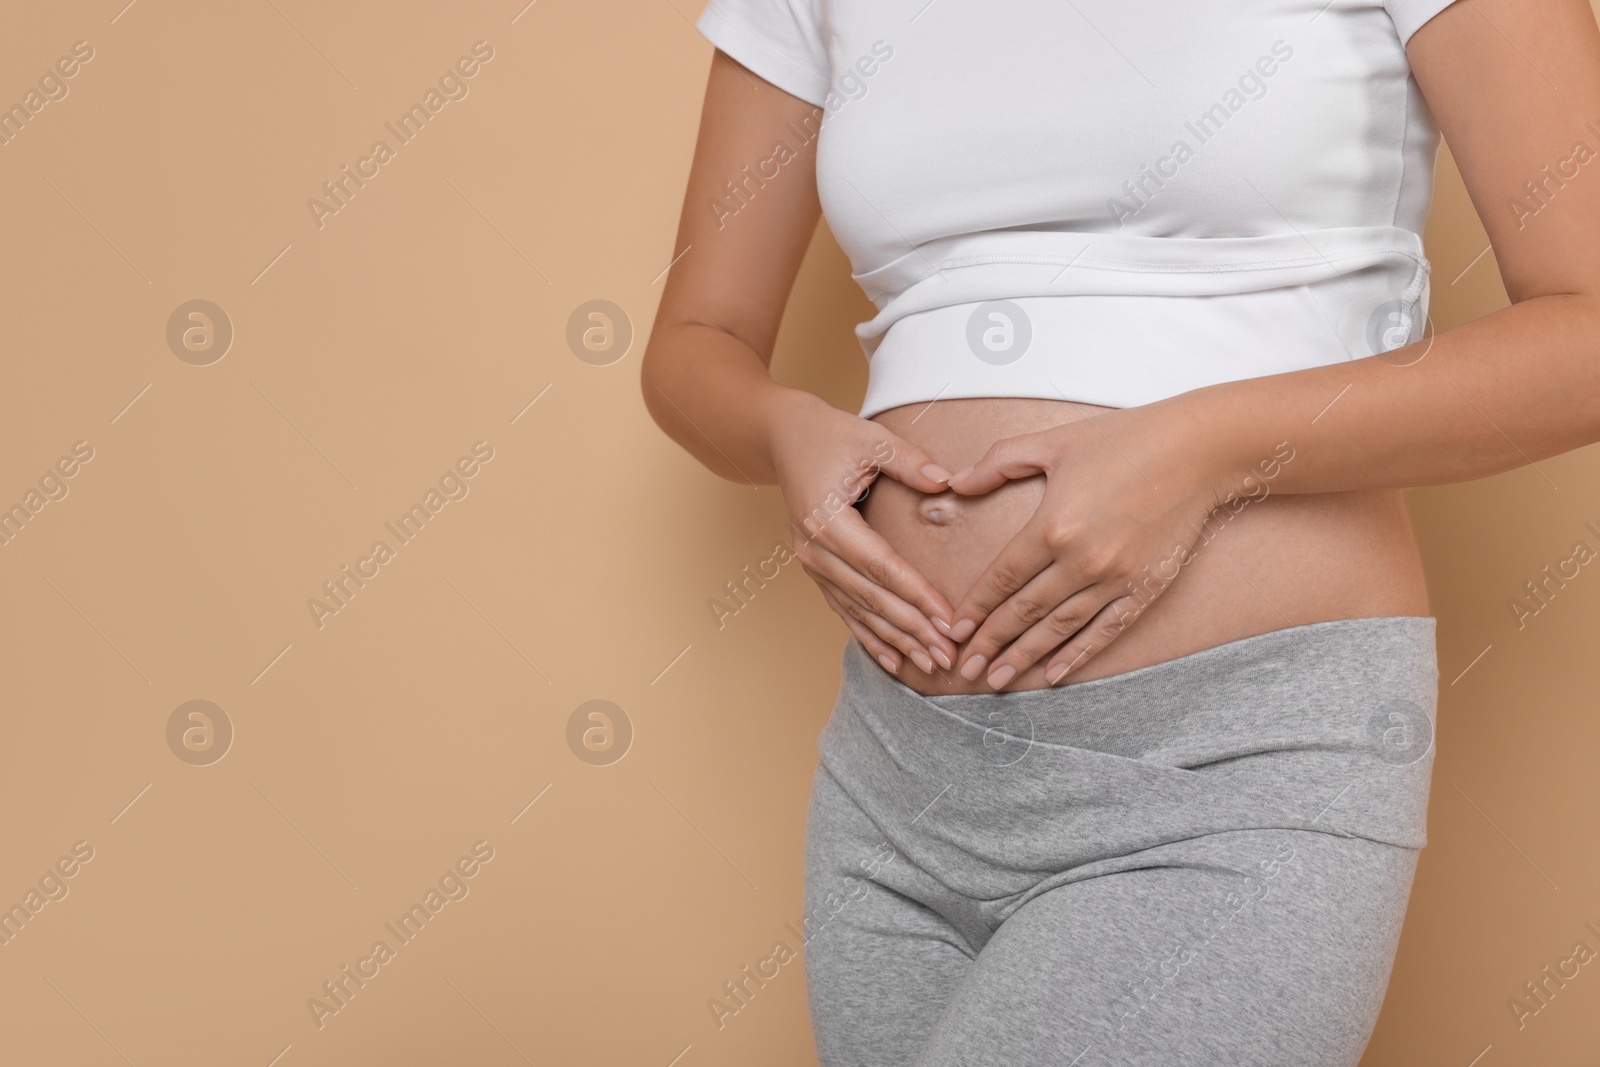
point(705, 370)
point(1515, 88)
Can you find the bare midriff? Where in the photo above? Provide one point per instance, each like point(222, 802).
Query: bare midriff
point(1282, 560)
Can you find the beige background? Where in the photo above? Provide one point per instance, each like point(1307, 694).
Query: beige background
point(430, 711)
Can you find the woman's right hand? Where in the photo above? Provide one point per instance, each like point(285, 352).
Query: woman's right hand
point(825, 458)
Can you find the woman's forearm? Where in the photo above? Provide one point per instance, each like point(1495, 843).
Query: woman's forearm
point(1506, 390)
point(712, 394)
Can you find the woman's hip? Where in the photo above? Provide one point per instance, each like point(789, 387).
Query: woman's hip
point(1325, 727)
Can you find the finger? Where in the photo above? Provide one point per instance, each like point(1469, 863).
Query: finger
point(866, 553)
point(883, 629)
point(1027, 554)
point(910, 629)
point(1105, 627)
point(1048, 634)
point(876, 647)
point(1036, 602)
point(1008, 459)
point(911, 465)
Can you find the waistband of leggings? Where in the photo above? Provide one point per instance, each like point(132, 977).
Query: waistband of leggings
point(1343, 696)
point(1326, 726)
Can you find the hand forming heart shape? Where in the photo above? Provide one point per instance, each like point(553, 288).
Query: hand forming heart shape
point(1124, 492)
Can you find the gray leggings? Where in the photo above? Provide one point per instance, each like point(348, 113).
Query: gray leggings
point(1204, 861)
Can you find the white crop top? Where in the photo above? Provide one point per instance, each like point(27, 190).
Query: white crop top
point(1109, 201)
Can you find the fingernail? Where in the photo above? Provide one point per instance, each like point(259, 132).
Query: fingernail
point(888, 664)
point(920, 658)
point(1059, 673)
point(943, 626)
point(962, 630)
point(973, 668)
point(1002, 675)
point(960, 474)
point(940, 655)
point(935, 472)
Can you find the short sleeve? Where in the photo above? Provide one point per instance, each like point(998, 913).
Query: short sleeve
point(781, 40)
point(1409, 15)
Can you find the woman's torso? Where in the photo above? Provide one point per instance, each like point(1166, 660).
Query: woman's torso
point(1282, 560)
point(1150, 198)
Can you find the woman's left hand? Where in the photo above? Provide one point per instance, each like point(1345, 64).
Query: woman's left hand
point(1126, 492)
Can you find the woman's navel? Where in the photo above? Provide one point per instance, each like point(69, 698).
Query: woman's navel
point(941, 509)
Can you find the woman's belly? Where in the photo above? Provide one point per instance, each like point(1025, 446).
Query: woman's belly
point(1283, 560)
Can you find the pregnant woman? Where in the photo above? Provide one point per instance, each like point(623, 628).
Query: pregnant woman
point(1131, 757)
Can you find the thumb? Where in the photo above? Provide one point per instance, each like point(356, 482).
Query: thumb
point(1007, 459)
point(909, 464)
